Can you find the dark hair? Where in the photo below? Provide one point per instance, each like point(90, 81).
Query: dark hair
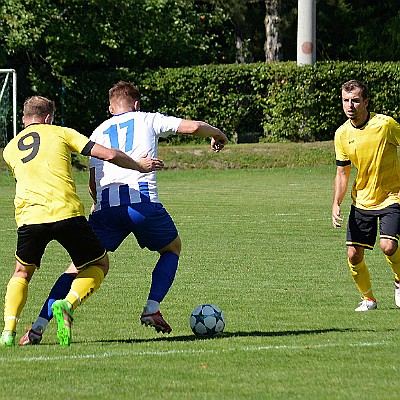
point(38, 106)
point(349, 86)
point(124, 89)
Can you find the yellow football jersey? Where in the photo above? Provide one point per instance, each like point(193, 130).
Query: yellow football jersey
point(40, 160)
point(372, 149)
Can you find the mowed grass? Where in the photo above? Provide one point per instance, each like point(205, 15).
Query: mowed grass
point(259, 244)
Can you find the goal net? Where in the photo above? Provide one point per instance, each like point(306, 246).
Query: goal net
point(8, 105)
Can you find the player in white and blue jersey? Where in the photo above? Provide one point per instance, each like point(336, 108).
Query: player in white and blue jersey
point(127, 202)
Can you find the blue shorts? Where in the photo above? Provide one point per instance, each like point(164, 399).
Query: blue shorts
point(150, 222)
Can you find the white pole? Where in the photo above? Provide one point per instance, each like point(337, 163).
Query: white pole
point(14, 102)
point(14, 89)
point(306, 32)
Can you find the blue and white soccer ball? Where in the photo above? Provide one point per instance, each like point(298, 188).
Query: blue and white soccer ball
point(207, 320)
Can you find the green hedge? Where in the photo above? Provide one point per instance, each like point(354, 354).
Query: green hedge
point(276, 101)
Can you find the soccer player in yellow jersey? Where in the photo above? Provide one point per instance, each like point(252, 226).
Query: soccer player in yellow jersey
point(48, 208)
point(369, 141)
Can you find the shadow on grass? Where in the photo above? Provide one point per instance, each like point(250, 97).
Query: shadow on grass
point(188, 338)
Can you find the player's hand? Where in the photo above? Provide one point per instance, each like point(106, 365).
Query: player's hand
point(218, 142)
point(149, 164)
point(337, 219)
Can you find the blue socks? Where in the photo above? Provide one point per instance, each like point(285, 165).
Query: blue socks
point(163, 276)
point(59, 290)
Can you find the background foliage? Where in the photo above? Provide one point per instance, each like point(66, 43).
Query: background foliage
point(182, 55)
point(275, 101)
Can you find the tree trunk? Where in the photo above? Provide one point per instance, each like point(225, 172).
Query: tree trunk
point(242, 39)
point(273, 44)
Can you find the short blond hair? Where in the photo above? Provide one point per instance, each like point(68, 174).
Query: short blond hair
point(124, 90)
point(38, 106)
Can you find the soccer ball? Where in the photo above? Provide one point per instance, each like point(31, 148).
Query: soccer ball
point(207, 320)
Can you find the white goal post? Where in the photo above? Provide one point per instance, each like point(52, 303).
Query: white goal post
point(8, 88)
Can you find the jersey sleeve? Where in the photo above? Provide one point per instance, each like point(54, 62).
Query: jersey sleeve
point(342, 158)
point(7, 158)
point(394, 131)
point(165, 125)
point(76, 141)
point(94, 137)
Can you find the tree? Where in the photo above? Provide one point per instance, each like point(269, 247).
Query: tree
point(362, 30)
point(273, 43)
point(47, 41)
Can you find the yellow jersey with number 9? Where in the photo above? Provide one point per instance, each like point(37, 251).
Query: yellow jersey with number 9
point(40, 160)
point(372, 149)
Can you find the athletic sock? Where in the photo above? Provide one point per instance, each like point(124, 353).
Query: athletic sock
point(360, 274)
point(15, 299)
point(151, 307)
point(394, 262)
point(85, 283)
point(163, 276)
point(40, 325)
point(59, 290)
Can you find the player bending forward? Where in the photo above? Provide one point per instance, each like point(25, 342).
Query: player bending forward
point(127, 201)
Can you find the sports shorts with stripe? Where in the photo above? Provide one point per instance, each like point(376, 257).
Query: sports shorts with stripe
point(150, 222)
point(362, 227)
point(74, 234)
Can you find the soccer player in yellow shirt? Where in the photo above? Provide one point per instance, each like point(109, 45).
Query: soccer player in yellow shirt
point(369, 142)
point(48, 208)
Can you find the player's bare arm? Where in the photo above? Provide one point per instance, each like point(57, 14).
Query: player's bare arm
point(118, 157)
point(202, 129)
point(340, 188)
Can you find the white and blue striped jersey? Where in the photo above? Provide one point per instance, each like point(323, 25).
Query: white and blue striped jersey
point(135, 133)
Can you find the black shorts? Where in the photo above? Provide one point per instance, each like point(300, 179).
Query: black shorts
point(362, 227)
point(74, 234)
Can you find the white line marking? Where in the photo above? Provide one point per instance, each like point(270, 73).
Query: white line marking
point(172, 352)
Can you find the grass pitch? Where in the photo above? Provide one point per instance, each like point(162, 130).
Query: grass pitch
point(257, 243)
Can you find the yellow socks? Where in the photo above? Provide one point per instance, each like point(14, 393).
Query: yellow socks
point(394, 262)
point(360, 274)
point(86, 282)
point(15, 299)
